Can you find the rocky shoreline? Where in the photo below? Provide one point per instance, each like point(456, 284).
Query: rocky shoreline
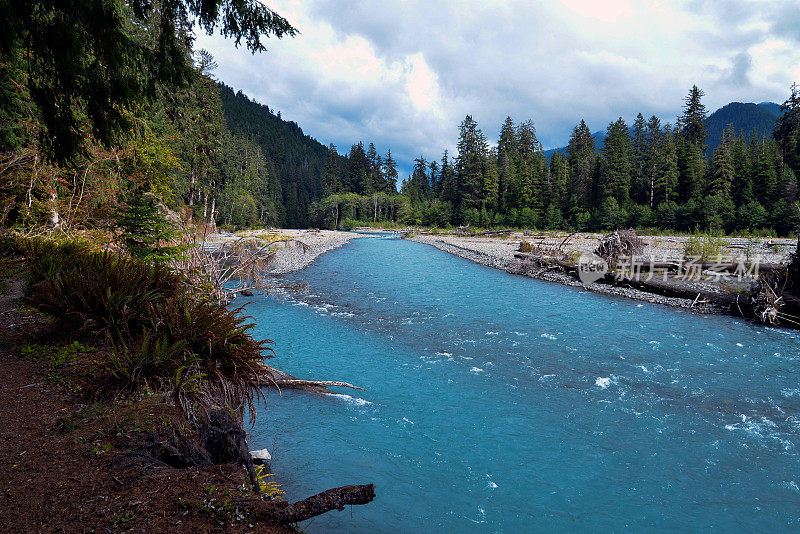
point(295, 254)
point(499, 254)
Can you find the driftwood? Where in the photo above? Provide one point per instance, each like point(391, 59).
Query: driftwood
point(271, 377)
point(619, 243)
point(465, 231)
point(284, 513)
point(304, 384)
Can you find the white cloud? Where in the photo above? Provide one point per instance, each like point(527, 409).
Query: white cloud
point(404, 74)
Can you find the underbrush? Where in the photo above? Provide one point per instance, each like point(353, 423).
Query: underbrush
point(703, 247)
point(159, 336)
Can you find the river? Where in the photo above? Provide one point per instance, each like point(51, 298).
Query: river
point(497, 403)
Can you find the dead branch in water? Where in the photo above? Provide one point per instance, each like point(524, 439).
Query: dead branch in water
point(301, 384)
point(271, 377)
point(284, 513)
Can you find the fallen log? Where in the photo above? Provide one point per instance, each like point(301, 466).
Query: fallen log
point(271, 377)
point(729, 300)
point(284, 513)
point(303, 384)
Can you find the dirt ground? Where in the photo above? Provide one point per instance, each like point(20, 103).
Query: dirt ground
point(59, 469)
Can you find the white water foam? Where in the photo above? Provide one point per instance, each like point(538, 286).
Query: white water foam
point(603, 382)
point(476, 370)
point(357, 401)
point(548, 336)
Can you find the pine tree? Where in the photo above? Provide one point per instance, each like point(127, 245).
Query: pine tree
point(449, 181)
point(559, 178)
point(639, 182)
point(91, 62)
point(331, 176)
point(619, 160)
point(742, 186)
point(787, 130)
point(654, 135)
point(666, 168)
point(358, 170)
point(693, 121)
point(722, 170)
point(581, 154)
point(390, 173)
point(471, 166)
point(765, 180)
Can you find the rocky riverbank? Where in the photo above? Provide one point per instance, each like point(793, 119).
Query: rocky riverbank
point(299, 250)
point(499, 253)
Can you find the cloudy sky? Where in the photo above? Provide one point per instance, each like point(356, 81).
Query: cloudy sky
point(404, 74)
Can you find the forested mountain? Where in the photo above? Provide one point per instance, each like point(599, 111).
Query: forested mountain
point(748, 119)
point(297, 159)
point(772, 107)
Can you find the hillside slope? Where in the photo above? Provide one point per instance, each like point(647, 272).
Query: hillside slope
point(297, 158)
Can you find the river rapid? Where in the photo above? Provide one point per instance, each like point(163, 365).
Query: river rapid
point(501, 403)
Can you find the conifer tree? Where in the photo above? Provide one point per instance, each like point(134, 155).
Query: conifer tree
point(390, 173)
point(654, 136)
point(787, 130)
point(582, 157)
point(471, 166)
point(722, 170)
point(89, 62)
point(666, 168)
point(331, 174)
point(639, 182)
point(693, 121)
point(617, 153)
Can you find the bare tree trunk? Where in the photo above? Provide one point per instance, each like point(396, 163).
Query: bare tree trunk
point(33, 181)
point(191, 188)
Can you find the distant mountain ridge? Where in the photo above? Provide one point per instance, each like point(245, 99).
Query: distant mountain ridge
point(747, 118)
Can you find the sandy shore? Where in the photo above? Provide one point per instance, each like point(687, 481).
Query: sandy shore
point(499, 254)
point(305, 245)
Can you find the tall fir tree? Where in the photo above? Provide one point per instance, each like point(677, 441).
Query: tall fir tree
point(618, 155)
point(787, 130)
point(722, 170)
point(471, 167)
point(390, 173)
point(581, 157)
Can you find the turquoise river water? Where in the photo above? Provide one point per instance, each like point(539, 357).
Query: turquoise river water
point(497, 403)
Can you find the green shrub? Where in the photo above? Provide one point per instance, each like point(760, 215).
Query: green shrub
point(161, 337)
point(703, 247)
